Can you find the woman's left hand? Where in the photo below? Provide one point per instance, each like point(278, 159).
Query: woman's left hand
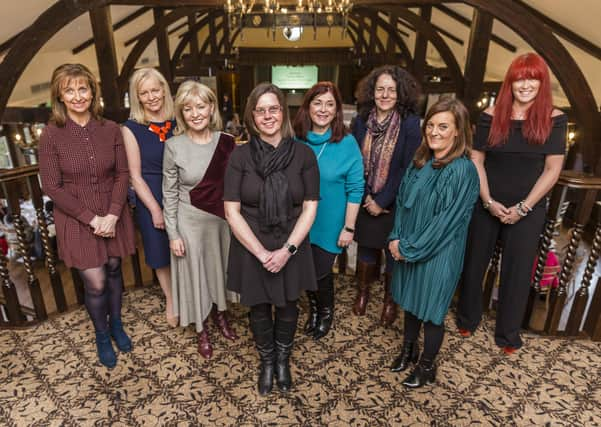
point(512, 217)
point(278, 260)
point(372, 207)
point(393, 247)
point(345, 238)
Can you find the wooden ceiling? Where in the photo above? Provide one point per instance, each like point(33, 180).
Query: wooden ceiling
point(451, 34)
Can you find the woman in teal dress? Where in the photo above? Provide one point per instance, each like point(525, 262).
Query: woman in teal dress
point(434, 207)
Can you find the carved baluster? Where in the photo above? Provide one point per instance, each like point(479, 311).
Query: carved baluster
point(491, 276)
point(12, 195)
point(581, 298)
point(553, 222)
point(50, 258)
point(13, 307)
point(582, 215)
point(556, 298)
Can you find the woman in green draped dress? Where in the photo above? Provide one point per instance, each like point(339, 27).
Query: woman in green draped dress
point(427, 242)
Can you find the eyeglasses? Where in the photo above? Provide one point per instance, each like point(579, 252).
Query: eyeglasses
point(274, 109)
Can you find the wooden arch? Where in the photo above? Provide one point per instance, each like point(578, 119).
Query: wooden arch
point(514, 14)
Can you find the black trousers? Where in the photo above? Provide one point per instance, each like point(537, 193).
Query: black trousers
point(520, 244)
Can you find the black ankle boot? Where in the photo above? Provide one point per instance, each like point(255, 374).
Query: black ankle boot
point(311, 322)
point(326, 316)
point(263, 332)
point(423, 373)
point(284, 338)
point(326, 307)
point(409, 354)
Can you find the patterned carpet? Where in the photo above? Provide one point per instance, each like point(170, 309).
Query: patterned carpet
point(49, 375)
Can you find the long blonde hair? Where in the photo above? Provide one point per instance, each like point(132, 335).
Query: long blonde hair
point(188, 90)
point(61, 77)
point(136, 111)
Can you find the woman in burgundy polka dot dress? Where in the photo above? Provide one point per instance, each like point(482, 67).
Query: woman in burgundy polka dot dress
point(83, 168)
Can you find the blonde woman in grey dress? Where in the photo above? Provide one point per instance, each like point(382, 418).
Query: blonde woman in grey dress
point(199, 237)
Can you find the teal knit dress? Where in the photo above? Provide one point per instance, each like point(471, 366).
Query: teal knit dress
point(434, 208)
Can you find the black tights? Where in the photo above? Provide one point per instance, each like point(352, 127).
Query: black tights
point(103, 288)
point(433, 335)
point(287, 313)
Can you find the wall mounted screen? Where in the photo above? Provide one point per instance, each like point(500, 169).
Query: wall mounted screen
point(294, 77)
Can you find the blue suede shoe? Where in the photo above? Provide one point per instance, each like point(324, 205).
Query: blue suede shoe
point(106, 354)
point(121, 339)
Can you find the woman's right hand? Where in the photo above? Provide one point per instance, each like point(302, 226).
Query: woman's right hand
point(393, 247)
point(498, 210)
point(158, 220)
point(177, 247)
point(95, 223)
point(264, 256)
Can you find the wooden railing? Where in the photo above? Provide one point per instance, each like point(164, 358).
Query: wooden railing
point(16, 185)
point(576, 189)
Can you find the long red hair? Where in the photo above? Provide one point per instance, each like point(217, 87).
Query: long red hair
point(537, 125)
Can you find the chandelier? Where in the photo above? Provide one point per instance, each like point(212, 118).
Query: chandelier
point(291, 19)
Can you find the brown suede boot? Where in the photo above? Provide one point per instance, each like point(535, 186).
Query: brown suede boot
point(389, 310)
point(366, 273)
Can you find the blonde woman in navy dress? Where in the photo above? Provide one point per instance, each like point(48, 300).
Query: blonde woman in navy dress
point(149, 126)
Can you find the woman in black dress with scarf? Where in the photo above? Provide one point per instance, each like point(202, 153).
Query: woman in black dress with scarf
point(388, 133)
point(271, 194)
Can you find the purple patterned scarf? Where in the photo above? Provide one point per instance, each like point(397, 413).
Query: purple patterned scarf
point(378, 147)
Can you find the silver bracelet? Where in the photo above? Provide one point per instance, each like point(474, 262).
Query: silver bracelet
point(522, 210)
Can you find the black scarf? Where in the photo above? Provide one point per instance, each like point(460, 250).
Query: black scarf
point(275, 202)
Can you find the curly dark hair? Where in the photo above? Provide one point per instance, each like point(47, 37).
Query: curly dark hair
point(407, 87)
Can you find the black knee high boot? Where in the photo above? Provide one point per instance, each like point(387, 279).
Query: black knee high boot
point(284, 339)
point(262, 330)
point(326, 307)
point(311, 322)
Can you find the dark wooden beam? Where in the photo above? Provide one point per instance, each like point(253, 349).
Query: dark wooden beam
point(120, 24)
point(468, 23)
point(564, 32)
point(8, 43)
point(433, 36)
point(390, 46)
point(421, 46)
point(145, 39)
point(162, 45)
point(169, 32)
point(477, 55)
point(194, 57)
point(449, 35)
point(213, 37)
point(542, 40)
point(106, 55)
point(30, 41)
point(189, 35)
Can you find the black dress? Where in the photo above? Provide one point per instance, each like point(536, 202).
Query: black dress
point(372, 231)
point(246, 275)
point(512, 169)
